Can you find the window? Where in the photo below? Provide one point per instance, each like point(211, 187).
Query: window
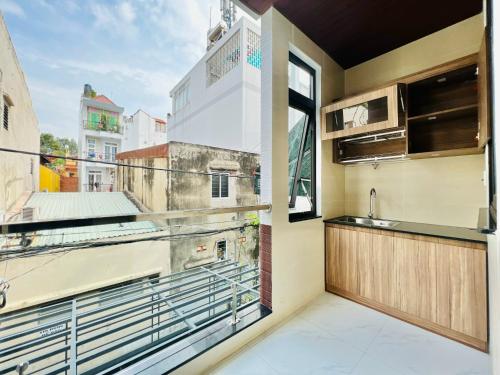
point(301, 140)
point(160, 127)
point(225, 59)
point(181, 97)
point(91, 148)
point(220, 185)
point(110, 150)
point(6, 116)
point(221, 250)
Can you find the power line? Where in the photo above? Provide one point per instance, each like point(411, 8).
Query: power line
point(54, 249)
point(170, 170)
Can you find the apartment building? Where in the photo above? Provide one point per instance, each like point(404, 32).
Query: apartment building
point(218, 102)
point(141, 130)
point(100, 139)
point(18, 130)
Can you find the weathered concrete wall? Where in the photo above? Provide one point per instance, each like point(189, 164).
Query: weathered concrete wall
point(18, 173)
point(161, 191)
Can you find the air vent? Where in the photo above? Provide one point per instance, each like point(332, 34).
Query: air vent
point(28, 214)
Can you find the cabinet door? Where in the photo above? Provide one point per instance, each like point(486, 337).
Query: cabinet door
point(383, 269)
point(372, 111)
point(461, 290)
point(484, 133)
point(341, 259)
point(416, 276)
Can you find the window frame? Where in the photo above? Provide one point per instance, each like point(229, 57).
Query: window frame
point(308, 106)
point(219, 175)
point(217, 249)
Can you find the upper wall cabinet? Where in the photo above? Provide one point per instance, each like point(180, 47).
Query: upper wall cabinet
point(443, 112)
point(370, 112)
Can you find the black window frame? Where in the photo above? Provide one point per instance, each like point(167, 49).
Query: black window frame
point(218, 177)
point(307, 105)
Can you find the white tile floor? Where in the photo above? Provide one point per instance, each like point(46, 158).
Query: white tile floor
point(336, 336)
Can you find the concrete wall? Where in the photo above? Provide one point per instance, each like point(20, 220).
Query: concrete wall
point(445, 191)
point(18, 173)
point(81, 271)
point(160, 191)
point(225, 114)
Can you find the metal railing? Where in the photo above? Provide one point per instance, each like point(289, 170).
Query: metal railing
point(102, 331)
point(93, 155)
point(102, 126)
point(98, 188)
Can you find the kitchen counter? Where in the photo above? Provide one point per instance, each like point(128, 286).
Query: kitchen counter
point(443, 231)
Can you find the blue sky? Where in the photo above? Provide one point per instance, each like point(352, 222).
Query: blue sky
point(134, 52)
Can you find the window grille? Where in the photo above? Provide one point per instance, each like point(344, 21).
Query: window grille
point(220, 185)
point(254, 51)
point(6, 116)
point(224, 59)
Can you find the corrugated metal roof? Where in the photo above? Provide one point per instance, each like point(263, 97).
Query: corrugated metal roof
point(70, 205)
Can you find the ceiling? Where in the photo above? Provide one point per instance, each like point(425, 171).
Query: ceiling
point(354, 31)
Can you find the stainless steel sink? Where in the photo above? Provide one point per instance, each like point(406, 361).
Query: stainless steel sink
point(369, 222)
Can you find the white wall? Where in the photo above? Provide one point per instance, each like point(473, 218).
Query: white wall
point(19, 174)
point(139, 131)
point(227, 113)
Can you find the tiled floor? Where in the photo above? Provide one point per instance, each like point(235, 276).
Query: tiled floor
point(336, 336)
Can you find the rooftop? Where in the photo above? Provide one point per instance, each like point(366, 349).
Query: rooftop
point(77, 205)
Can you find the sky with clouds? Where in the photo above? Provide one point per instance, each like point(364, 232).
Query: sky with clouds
point(133, 51)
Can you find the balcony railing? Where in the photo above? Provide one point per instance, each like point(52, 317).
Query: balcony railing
point(106, 156)
point(102, 126)
point(98, 188)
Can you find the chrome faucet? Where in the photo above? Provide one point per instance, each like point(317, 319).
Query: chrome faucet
point(373, 195)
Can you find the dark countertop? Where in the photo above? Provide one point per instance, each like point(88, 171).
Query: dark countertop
point(443, 231)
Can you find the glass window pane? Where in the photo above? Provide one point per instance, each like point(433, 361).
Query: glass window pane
point(215, 186)
point(297, 124)
point(300, 80)
point(362, 114)
point(224, 186)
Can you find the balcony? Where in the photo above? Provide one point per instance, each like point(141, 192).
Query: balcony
point(99, 156)
point(107, 330)
point(100, 126)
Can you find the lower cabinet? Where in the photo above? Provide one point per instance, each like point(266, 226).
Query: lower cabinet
point(435, 283)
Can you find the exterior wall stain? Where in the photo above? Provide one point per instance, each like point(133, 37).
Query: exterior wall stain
point(161, 191)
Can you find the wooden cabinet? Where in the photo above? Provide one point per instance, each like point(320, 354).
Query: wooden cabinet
point(442, 111)
point(435, 283)
point(369, 112)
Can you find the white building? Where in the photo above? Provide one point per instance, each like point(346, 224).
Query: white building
point(218, 102)
point(19, 174)
point(100, 139)
point(140, 130)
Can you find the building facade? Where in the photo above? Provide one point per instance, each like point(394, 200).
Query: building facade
point(231, 236)
point(18, 130)
point(218, 102)
point(140, 130)
point(100, 139)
